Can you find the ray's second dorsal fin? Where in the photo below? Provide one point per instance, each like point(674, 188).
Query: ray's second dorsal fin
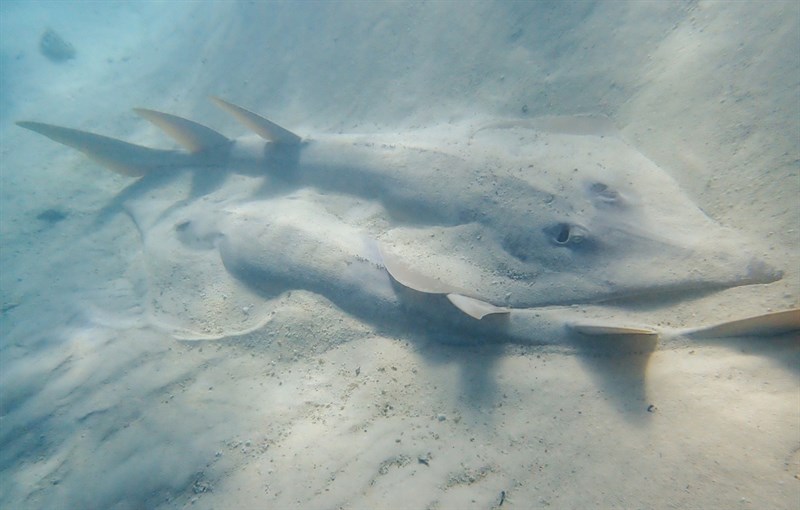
point(264, 128)
point(194, 137)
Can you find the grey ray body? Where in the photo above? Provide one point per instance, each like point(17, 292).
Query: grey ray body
point(543, 215)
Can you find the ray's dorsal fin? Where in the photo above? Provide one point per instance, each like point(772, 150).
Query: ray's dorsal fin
point(774, 323)
point(264, 128)
point(475, 308)
point(194, 137)
point(122, 157)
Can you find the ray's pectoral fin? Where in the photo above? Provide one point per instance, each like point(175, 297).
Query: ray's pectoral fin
point(122, 157)
point(774, 323)
point(607, 338)
point(615, 338)
point(408, 277)
point(589, 329)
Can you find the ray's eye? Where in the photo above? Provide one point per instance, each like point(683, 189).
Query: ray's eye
point(566, 234)
point(562, 233)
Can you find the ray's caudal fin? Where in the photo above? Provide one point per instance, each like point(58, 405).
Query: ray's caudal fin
point(204, 146)
point(121, 157)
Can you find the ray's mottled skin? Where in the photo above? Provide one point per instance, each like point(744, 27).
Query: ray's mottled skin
point(567, 213)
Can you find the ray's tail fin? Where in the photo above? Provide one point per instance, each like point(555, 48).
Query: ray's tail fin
point(122, 157)
point(204, 146)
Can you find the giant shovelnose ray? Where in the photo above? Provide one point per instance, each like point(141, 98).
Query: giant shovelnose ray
point(566, 214)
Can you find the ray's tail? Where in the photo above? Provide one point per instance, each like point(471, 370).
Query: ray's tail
point(203, 146)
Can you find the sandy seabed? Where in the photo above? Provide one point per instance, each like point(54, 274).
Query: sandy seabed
point(317, 409)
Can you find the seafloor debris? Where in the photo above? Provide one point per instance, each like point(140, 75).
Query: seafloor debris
point(54, 47)
point(52, 216)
